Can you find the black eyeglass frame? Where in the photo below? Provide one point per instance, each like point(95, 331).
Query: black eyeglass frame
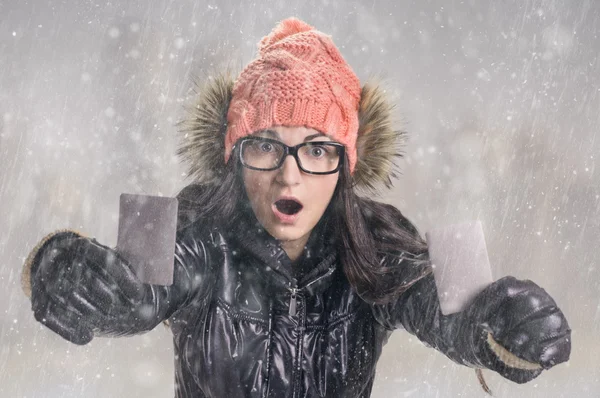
point(293, 150)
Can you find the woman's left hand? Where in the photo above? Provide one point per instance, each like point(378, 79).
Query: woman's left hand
point(521, 329)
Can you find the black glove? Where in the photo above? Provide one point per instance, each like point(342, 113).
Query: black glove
point(525, 320)
point(80, 286)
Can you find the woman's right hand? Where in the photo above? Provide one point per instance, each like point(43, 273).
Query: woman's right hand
point(79, 286)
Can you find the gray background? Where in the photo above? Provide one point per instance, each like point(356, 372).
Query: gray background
point(501, 99)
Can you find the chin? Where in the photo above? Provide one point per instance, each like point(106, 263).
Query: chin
point(287, 232)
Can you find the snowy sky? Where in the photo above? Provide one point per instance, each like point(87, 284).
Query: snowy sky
point(500, 99)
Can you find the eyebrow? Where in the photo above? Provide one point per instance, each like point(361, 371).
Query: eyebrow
point(274, 134)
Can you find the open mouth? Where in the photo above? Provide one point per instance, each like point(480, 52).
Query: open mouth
point(288, 206)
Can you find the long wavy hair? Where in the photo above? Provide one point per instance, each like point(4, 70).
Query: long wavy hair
point(374, 237)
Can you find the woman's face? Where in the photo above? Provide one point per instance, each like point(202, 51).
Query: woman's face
point(272, 193)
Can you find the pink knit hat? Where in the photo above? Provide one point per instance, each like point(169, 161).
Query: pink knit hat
point(298, 79)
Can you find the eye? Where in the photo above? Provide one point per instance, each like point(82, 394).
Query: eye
point(317, 151)
point(266, 147)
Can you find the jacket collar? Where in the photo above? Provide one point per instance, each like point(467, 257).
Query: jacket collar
point(318, 260)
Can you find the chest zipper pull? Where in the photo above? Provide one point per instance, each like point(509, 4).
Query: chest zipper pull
point(293, 302)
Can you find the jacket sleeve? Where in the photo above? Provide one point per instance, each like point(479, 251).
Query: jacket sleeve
point(512, 327)
point(192, 277)
point(418, 311)
point(190, 282)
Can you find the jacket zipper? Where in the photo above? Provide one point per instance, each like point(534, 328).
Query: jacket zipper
point(293, 310)
point(293, 302)
point(294, 298)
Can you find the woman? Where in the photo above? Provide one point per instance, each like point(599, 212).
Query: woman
point(286, 282)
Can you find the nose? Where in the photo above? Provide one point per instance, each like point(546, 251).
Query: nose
point(289, 173)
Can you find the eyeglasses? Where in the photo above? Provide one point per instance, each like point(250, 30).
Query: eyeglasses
point(314, 157)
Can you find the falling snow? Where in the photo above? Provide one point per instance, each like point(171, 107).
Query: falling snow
point(500, 99)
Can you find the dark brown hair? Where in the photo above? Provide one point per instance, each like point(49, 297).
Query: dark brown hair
point(374, 236)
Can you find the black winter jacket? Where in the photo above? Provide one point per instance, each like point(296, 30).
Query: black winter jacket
point(245, 324)
point(246, 327)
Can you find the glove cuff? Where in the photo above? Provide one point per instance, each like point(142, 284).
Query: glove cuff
point(496, 358)
point(509, 359)
point(33, 257)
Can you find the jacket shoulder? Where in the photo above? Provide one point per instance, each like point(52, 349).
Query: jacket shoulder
point(379, 216)
point(190, 206)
